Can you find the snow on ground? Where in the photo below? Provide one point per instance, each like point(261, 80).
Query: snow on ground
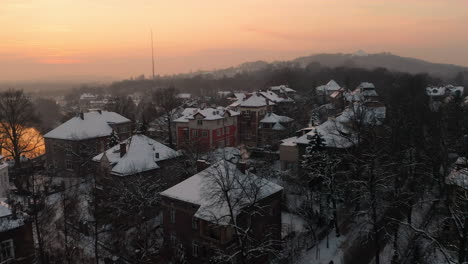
point(323, 254)
point(292, 223)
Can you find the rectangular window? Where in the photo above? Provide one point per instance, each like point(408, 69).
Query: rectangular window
point(218, 132)
point(194, 223)
point(156, 155)
point(200, 122)
point(195, 249)
point(204, 134)
point(68, 165)
point(7, 251)
point(173, 239)
point(173, 212)
point(194, 133)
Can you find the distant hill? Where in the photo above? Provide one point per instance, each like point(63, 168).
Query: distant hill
point(359, 59)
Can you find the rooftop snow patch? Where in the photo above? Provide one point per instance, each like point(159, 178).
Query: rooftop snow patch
point(333, 132)
point(272, 96)
point(255, 100)
point(201, 190)
point(282, 88)
point(445, 90)
point(142, 154)
point(274, 118)
point(93, 125)
point(7, 222)
point(205, 114)
point(330, 86)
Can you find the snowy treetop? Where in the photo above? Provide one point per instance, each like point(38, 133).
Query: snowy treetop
point(201, 190)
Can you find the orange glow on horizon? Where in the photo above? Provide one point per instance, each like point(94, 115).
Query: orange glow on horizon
point(111, 37)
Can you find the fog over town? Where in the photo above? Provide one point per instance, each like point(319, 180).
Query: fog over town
point(249, 132)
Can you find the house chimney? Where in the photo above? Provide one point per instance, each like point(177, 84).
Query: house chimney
point(99, 111)
point(123, 149)
point(82, 115)
point(202, 165)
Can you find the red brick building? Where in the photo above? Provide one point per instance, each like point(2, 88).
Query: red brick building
point(79, 139)
point(207, 128)
point(200, 224)
point(252, 108)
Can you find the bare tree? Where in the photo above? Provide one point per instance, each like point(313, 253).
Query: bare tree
point(17, 115)
point(320, 167)
point(166, 101)
point(236, 202)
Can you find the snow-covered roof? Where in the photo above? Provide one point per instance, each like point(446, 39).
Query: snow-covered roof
point(371, 115)
point(255, 100)
point(94, 124)
point(290, 142)
point(272, 96)
point(274, 118)
point(184, 95)
point(334, 133)
point(206, 114)
point(6, 220)
point(282, 88)
point(240, 96)
point(443, 90)
point(88, 96)
point(142, 154)
point(199, 190)
point(330, 86)
point(363, 92)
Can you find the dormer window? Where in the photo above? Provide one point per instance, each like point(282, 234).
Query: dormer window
point(200, 122)
point(156, 155)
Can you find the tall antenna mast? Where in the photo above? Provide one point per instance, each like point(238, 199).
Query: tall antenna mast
point(152, 54)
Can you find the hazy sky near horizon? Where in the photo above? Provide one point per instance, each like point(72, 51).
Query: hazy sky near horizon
point(51, 39)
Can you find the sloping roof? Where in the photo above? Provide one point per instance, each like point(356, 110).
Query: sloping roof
point(255, 100)
point(199, 190)
point(206, 113)
point(274, 118)
point(278, 126)
point(330, 86)
point(272, 96)
point(282, 88)
point(334, 133)
point(290, 142)
point(6, 220)
point(140, 155)
point(94, 124)
point(370, 115)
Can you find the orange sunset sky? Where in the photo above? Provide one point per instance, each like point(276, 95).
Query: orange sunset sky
point(53, 39)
